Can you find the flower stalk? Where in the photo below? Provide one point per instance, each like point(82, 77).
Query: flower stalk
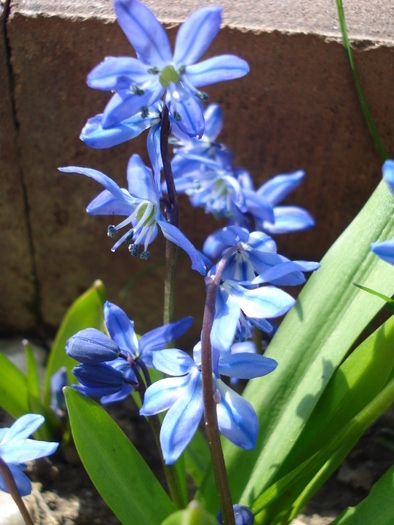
point(13, 490)
point(211, 424)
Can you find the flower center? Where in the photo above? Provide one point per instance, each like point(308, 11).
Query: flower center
point(167, 75)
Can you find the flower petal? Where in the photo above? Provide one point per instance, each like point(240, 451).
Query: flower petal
point(384, 250)
point(196, 34)
point(162, 394)
point(213, 116)
point(237, 419)
point(174, 235)
point(258, 206)
point(108, 183)
point(157, 339)
point(216, 69)
point(24, 450)
point(246, 365)
point(94, 135)
point(21, 480)
point(289, 219)
point(388, 174)
point(182, 420)
point(124, 105)
point(144, 32)
point(173, 362)
point(121, 395)
point(120, 328)
point(107, 204)
point(117, 73)
point(277, 188)
point(140, 180)
point(188, 112)
point(23, 428)
point(227, 314)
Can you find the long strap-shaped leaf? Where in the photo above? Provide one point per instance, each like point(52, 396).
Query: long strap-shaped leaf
point(310, 344)
point(116, 468)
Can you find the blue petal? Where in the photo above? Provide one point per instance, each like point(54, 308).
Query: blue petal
point(216, 69)
point(237, 419)
point(277, 188)
point(108, 183)
point(182, 420)
point(173, 362)
point(289, 219)
point(189, 111)
point(140, 180)
point(120, 328)
point(156, 339)
point(196, 34)
point(227, 314)
point(25, 450)
point(97, 137)
point(388, 174)
point(174, 235)
point(123, 105)
point(91, 346)
point(384, 250)
point(264, 302)
point(163, 394)
point(246, 365)
point(287, 273)
point(107, 204)
point(23, 428)
point(259, 206)
point(213, 116)
point(21, 480)
point(117, 73)
point(118, 396)
point(144, 32)
point(154, 152)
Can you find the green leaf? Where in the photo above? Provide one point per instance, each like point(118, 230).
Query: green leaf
point(85, 312)
point(193, 515)
point(14, 397)
point(311, 342)
point(377, 508)
point(355, 384)
point(390, 302)
point(116, 468)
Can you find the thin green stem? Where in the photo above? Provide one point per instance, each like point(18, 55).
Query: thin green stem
point(360, 94)
point(211, 423)
point(172, 211)
point(13, 490)
point(155, 425)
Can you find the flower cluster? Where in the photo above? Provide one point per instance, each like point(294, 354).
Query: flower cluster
point(109, 363)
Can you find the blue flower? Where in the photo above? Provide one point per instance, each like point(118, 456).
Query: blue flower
point(388, 174)
point(182, 396)
point(16, 449)
point(106, 370)
point(139, 83)
point(141, 206)
point(285, 219)
point(58, 381)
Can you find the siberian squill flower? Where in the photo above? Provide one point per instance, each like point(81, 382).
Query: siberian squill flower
point(242, 515)
point(182, 396)
point(58, 402)
point(106, 361)
point(16, 450)
point(285, 219)
point(385, 249)
point(141, 206)
point(243, 299)
point(140, 82)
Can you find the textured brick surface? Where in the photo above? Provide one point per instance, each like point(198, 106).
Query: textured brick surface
point(18, 310)
point(296, 109)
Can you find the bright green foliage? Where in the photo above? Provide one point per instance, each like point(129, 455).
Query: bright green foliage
point(14, 396)
point(117, 470)
point(377, 508)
